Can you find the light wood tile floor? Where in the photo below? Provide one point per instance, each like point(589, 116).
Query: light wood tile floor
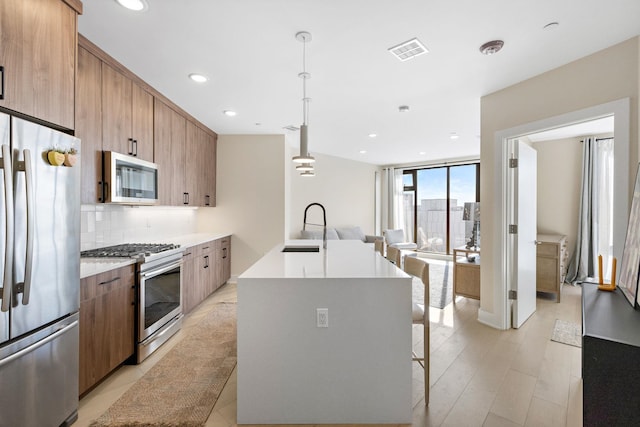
point(479, 376)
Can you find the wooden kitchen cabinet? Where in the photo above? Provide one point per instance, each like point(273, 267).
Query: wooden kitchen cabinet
point(190, 288)
point(200, 166)
point(89, 124)
point(551, 261)
point(466, 273)
point(169, 153)
point(206, 267)
point(107, 323)
point(211, 153)
point(38, 58)
point(127, 116)
point(223, 261)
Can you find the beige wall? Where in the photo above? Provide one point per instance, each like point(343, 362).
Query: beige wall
point(559, 173)
point(344, 187)
point(250, 196)
point(261, 198)
point(600, 78)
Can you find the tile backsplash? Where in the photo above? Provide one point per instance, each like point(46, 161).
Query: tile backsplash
point(104, 225)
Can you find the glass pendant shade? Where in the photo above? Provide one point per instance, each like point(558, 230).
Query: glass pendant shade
point(308, 174)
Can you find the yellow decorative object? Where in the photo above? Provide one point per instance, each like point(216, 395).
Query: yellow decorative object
point(55, 158)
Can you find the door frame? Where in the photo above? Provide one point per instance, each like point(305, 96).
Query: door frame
point(620, 109)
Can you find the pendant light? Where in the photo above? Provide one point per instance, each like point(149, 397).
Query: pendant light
point(304, 158)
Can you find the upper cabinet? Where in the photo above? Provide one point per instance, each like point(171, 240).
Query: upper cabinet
point(38, 58)
point(169, 154)
point(127, 116)
point(89, 124)
point(117, 111)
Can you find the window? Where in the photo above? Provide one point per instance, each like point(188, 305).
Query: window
point(434, 199)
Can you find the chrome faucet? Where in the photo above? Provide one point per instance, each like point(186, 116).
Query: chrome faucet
point(324, 226)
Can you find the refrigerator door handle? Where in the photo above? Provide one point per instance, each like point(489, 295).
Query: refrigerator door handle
point(9, 218)
point(26, 167)
point(38, 344)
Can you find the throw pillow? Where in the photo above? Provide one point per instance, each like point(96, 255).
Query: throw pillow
point(351, 233)
point(394, 236)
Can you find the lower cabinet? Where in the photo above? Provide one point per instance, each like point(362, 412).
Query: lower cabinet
point(551, 260)
point(107, 323)
point(206, 267)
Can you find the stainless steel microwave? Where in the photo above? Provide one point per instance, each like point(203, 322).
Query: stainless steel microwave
point(129, 180)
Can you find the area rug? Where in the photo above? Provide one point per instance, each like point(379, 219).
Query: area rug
point(182, 388)
point(567, 333)
point(440, 283)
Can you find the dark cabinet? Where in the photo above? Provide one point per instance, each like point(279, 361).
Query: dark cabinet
point(610, 354)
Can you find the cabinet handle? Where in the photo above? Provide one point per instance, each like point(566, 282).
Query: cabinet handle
point(207, 200)
point(206, 261)
point(184, 198)
point(224, 251)
point(135, 147)
point(101, 191)
point(130, 140)
point(109, 281)
point(1, 82)
point(206, 247)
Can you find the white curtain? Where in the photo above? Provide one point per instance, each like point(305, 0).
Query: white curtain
point(392, 199)
point(595, 223)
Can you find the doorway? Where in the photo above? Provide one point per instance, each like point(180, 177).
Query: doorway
point(620, 111)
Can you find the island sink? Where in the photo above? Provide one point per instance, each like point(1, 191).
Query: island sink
point(301, 249)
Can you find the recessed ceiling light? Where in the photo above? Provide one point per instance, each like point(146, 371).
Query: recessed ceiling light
point(229, 113)
point(551, 26)
point(373, 135)
point(422, 153)
point(408, 50)
point(137, 5)
point(363, 151)
point(489, 48)
point(403, 108)
point(198, 78)
point(454, 135)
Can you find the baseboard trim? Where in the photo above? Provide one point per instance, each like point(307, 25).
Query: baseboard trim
point(490, 319)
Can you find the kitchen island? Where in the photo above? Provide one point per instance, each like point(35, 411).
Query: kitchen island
point(324, 338)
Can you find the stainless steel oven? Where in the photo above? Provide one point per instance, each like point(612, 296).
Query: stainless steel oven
point(160, 302)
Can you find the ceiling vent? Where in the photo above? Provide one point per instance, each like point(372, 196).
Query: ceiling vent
point(408, 50)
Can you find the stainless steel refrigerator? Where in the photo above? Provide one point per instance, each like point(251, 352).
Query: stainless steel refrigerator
point(40, 277)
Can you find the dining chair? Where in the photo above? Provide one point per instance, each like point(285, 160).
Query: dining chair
point(394, 255)
point(419, 270)
point(378, 245)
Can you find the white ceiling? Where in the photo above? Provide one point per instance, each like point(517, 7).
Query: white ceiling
point(249, 51)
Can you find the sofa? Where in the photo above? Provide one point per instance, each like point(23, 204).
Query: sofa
point(343, 233)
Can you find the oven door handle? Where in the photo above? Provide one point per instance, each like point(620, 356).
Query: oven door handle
point(156, 272)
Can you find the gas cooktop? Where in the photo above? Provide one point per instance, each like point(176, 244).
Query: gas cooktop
point(129, 250)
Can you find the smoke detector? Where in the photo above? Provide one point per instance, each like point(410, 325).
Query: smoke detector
point(403, 108)
point(489, 48)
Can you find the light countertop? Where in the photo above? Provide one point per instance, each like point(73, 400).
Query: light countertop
point(342, 259)
point(92, 266)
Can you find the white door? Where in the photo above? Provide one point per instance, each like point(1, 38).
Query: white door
point(523, 240)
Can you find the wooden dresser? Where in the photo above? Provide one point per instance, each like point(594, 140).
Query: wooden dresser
point(466, 274)
point(551, 263)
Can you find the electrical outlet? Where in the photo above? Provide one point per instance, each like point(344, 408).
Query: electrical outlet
point(322, 317)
